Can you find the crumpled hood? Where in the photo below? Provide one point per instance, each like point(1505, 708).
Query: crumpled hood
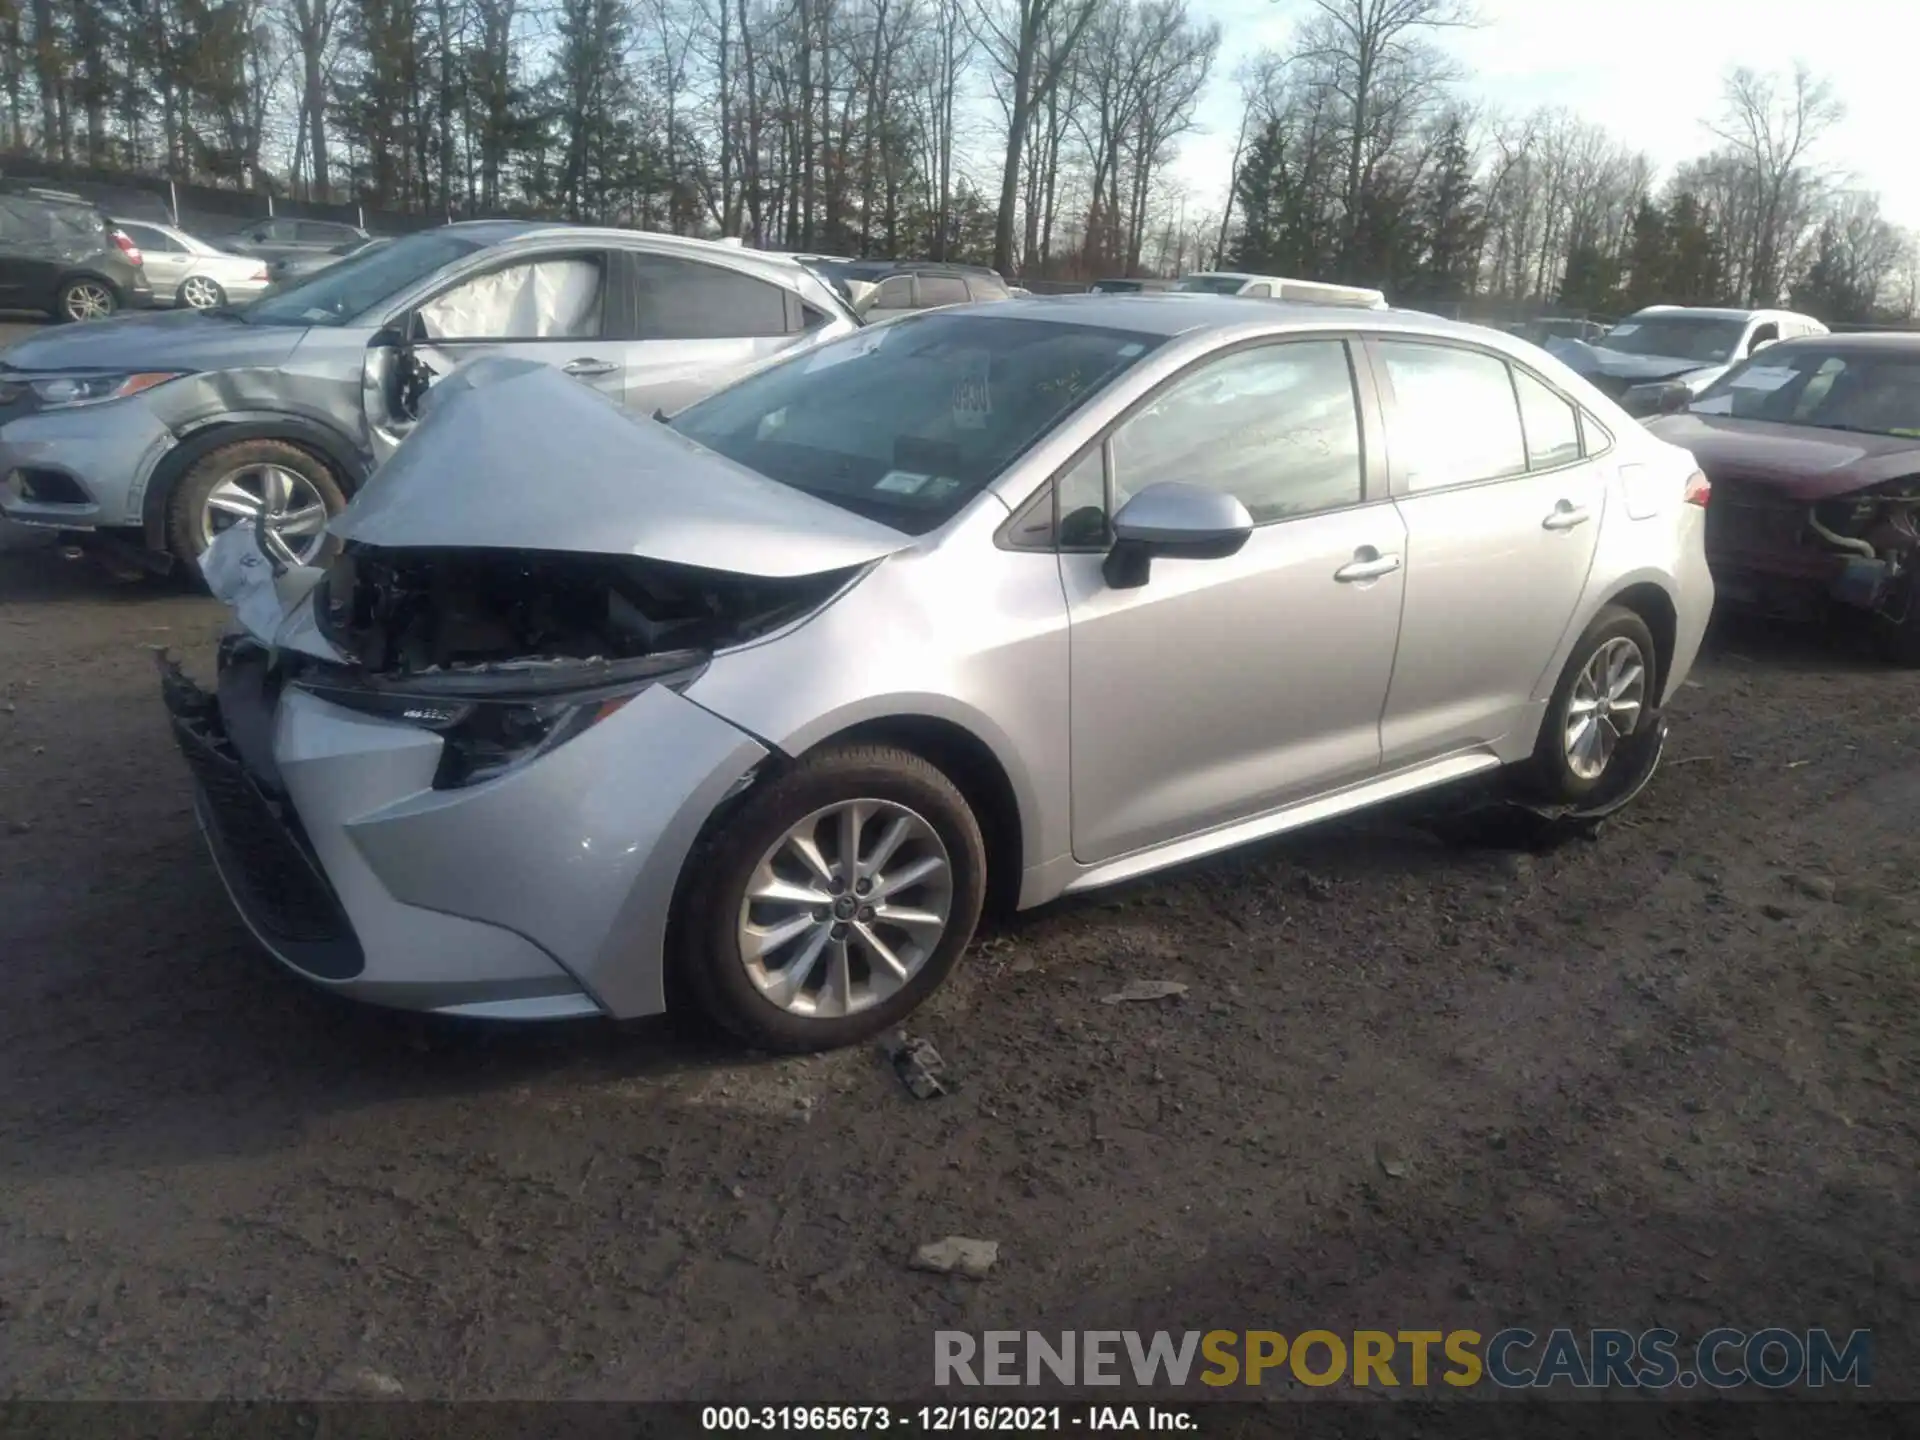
point(1797, 461)
point(164, 340)
point(1585, 359)
point(512, 454)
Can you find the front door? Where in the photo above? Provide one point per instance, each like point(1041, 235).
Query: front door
point(552, 308)
point(1503, 512)
point(1225, 688)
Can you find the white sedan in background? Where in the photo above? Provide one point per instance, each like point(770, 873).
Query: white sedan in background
point(186, 270)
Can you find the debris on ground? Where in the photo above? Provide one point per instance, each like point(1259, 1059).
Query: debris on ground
point(957, 1255)
point(917, 1063)
point(1145, 990)
point(366, 1383)
point(1392, 1162)
point(1814, 887)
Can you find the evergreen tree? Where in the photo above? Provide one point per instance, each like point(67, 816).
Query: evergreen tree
point(1649, 258)
point(1453, 218)
point(1696, 264)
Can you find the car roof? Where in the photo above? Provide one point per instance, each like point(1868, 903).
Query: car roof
point(1715, 312)
point(1170, 312)
point(1863, 342)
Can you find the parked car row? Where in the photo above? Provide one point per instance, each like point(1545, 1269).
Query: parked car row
point(748, 678)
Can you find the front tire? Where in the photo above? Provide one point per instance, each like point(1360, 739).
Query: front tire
point(833, 901)
point(85, 298)
point(228, 486)
point(1603, 697)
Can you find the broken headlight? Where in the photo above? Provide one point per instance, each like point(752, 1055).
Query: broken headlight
point(491, 724)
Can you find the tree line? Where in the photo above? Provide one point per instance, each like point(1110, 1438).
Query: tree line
point(1036, 135)
point(1360, 159)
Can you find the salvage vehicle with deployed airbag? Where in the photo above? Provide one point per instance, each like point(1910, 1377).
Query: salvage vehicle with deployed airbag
point(148, 436)
point(1813, 450)
point(756, 708)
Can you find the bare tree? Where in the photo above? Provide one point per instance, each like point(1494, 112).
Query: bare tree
point(1375, 55)
point(1013, 32)
point(1770, 127)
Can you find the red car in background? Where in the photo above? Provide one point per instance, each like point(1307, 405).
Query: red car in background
point(1813, 451)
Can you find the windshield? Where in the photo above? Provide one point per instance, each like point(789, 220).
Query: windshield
point(348, 289)
point(1210, 284)
point(1878, 393)
point(907, 422)
point(1706, 338)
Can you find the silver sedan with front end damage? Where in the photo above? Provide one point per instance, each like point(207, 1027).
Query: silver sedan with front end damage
point(759, 707)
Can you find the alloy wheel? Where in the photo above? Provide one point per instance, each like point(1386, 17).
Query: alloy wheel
point(88, 300)
point(1605, 706)
point(199, 292)
point(845, 908)
point(291, 516)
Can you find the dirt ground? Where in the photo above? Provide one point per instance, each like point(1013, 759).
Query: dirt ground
point(1659, 1078)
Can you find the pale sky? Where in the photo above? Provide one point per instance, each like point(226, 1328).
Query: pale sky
point(1649, 70)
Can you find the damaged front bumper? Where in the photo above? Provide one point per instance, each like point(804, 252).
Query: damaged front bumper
point(1789, 557)
point(544, 893)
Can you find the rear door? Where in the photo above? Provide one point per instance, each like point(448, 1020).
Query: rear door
point(693, 326)
point(1503, 510)
point(35, 255)
point(932, 292)
point(166, 260)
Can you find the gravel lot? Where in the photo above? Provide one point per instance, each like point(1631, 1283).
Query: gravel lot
point(1657, 1078)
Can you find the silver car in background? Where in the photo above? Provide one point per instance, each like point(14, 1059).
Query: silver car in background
point(152, 434)
point(185, 270)
point(755, 708)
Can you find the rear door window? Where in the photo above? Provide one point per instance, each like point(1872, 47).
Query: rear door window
point(1454, 418)
point(940, 290)
point(986, 287)
point(156, 241)
point(676, 299)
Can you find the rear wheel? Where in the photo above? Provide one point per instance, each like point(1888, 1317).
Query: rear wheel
point(198, 292)
point(834, 900)
point(86, 298)
point(236, 483)
point(1603, 697)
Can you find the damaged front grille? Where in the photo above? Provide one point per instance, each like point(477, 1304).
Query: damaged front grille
point(1746, 518)
point(257, 843)
point(400, 613)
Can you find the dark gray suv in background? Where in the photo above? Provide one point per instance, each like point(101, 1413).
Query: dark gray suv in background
point(61, 255)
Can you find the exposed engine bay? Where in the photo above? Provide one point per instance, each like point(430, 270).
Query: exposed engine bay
point(399, 613)
point(1878, 532)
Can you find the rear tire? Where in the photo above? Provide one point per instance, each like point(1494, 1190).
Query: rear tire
point(1604, 695)
point(787, 995)
point(85, 297)
point(198, 292)
point(1897, 641)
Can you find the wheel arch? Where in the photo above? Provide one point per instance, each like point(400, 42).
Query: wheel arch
point(82, 272)
point(202, 439)
point(1656, 609)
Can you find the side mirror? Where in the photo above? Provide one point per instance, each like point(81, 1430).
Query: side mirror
point(1673, 399)
point(1177, 521)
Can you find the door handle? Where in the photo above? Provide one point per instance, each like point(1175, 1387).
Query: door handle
point(1566, 516)
point(1367, 564)
point(589, 367)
